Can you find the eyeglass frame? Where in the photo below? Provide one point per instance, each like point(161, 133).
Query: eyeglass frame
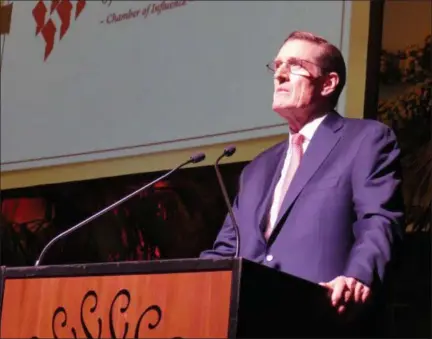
point(300, 62)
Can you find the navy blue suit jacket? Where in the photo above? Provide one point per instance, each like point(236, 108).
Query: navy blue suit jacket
point(341, 215)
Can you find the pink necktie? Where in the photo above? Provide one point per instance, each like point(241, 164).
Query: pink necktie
point(296, 155)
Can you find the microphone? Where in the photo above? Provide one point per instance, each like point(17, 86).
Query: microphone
point(193, 159)
point(229, 151)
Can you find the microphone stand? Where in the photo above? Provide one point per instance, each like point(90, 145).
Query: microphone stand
point(194, 159)
point(229, 151)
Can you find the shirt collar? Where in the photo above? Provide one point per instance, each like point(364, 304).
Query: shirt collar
point(310, 128)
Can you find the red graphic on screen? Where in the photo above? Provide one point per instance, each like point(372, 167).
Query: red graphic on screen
point(46, 27)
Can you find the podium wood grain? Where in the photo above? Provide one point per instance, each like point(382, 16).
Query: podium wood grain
point(191, 304)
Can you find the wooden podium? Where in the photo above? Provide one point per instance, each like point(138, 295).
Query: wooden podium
point(194, 298)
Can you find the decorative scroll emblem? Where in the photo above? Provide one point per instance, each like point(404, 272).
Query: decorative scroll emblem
point(60, 318)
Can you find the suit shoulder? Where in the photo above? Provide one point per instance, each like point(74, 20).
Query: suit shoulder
point(367, 126)
point(269, 152)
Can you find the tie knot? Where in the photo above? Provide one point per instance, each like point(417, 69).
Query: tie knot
point(298, 139)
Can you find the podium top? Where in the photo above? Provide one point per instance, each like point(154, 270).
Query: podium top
point(125, 267)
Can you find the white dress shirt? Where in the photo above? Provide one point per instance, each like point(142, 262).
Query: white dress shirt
point(307, 131)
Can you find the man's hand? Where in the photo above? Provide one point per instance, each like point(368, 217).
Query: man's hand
point(346, 290)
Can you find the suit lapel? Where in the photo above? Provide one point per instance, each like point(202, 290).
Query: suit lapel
point(324, 140)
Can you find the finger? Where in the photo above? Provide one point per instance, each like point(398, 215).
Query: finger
point(358, 292)
point(351, 282)
point(338, 289)
point(341, 309)
point(328, 287)
point(365, 294)
point(347, 295)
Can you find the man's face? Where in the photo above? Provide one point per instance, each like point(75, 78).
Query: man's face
point(297, 90)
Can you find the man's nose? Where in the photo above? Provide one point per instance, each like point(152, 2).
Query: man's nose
point(281, 76)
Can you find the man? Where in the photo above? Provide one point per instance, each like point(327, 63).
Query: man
point(325, 205)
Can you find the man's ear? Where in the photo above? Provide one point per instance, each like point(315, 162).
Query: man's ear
point(330, 83)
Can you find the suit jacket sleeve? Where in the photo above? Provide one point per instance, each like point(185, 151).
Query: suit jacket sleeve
point(378, 205)
point(224, 245)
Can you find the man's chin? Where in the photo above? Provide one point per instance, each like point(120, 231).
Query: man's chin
point(281, 109)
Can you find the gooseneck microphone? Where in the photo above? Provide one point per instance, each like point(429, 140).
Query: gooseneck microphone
point(229, 151)
point(193, 159)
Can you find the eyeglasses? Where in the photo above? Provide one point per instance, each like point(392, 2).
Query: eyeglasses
point(295, 66)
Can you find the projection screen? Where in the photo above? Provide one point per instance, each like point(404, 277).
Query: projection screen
point(91, 80)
